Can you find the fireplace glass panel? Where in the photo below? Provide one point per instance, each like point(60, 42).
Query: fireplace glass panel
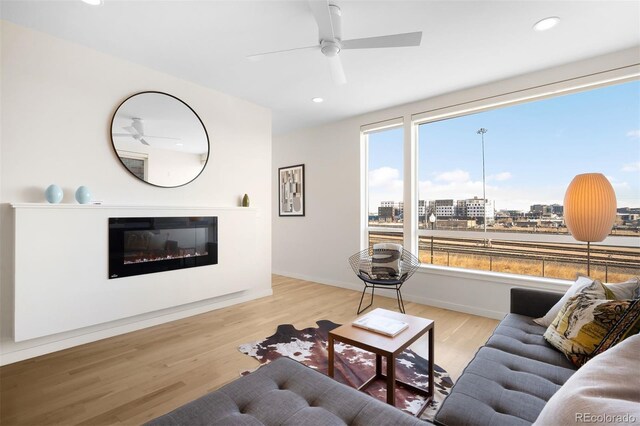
point(146, 245)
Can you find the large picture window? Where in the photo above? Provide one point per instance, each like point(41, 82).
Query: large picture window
point(385, 185)
point(491, 184)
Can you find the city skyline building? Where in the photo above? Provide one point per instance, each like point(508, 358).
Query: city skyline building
point(460, 214)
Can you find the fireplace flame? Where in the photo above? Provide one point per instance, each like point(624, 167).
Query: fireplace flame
point(145, 257)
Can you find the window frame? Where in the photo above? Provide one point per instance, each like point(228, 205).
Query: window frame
point(136, 156)
point(411, 123)
point(365, 131)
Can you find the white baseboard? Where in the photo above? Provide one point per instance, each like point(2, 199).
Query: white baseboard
point(93, 335)
point(473, 310)
point(304, 277)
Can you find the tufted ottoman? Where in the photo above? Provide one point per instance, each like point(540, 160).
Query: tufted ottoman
point(285, 392)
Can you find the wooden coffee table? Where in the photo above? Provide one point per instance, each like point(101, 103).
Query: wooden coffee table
point(390, 348)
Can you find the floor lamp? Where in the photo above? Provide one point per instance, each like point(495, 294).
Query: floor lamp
point(590, 209)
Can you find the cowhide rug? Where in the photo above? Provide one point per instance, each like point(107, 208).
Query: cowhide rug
point(353, 366)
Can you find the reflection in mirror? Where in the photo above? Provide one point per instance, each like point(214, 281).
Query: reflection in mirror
point(160, 139)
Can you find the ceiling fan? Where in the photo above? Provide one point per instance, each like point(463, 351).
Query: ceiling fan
point(136, 131)
point(329, 19)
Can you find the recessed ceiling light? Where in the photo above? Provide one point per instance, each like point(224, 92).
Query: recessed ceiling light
point(179, 144)
point(93, 2)
point(546, 23)
point(317, 100)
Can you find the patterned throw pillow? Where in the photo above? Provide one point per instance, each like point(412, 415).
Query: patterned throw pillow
point(591, 322)
point(385, 263)
point(629, 289)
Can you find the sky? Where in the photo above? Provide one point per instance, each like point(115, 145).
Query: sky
point(532, 151)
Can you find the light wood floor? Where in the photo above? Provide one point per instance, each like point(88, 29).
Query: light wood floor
point(135, 377)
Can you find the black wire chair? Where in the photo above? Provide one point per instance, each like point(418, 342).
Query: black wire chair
point(363, 265)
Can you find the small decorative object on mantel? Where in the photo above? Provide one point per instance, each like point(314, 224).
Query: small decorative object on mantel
point(53, 194)
point(245, 201)
point(83, 195)
point(291, 190)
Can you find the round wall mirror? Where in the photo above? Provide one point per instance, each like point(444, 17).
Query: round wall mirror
point(160, 139)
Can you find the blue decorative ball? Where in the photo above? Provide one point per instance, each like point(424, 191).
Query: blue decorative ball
point(53, 194)
point(83, 195)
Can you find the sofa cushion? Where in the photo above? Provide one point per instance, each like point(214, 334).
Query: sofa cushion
point(285, 392)
point(519, 335)
point(509, 380)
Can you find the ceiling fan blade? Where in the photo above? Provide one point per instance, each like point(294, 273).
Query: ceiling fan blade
point(259, 56)
point(143, 142)
point(320, 10)
point(395, 40)
point(337, 72)
point(131, 130)
point(138, 126)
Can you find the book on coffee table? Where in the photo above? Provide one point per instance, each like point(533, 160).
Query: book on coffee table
point(379, 324)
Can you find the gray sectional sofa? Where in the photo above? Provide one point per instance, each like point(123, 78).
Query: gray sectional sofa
point(508, 382)
point(514, 374)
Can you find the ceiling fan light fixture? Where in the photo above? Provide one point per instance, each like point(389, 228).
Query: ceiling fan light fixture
point(317, 100)
point(546, 23)
point(329, 48)
point(93, 2)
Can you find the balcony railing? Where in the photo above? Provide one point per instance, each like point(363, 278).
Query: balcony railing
point(527, 254)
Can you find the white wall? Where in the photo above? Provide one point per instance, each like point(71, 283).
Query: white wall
point(185, 167)
point(316, 247)
point(57, 102)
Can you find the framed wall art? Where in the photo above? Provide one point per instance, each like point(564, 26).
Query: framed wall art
point(291, 190)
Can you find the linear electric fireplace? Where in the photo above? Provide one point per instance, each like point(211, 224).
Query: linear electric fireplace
point(143, 245)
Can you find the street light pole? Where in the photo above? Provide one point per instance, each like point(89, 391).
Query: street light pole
point(481, 132)
point(432, 219)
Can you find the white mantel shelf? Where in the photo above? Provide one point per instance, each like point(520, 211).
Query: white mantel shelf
point(124, 207)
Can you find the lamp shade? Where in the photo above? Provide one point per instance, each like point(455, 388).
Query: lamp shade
point(590, 207)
